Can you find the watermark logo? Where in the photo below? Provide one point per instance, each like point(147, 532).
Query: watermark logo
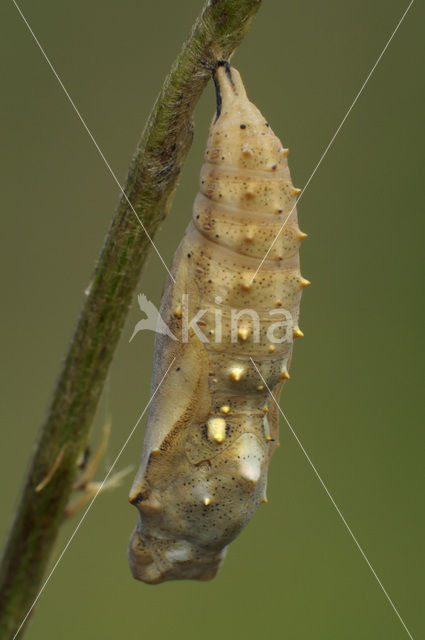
point(153, 320)
point(210, 325)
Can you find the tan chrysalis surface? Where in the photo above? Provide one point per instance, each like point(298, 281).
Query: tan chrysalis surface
point(212, 426)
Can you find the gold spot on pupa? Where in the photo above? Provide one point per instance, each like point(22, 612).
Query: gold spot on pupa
point(298, 333)
point(243, 333)
point(225, 408)
point(250, 234)
point(271, 348)
point(236, 373)
point(284, 374)
point(247, 152)
point(216, 429)
point(304, 283)
point(178, 311)
point(296, 191)
point(206, 501)
point(247, 282)
point(302, 235)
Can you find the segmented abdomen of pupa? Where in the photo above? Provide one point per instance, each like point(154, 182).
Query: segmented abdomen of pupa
point(212, 425)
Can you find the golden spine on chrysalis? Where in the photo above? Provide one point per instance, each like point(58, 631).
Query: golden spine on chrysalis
point(212, 427)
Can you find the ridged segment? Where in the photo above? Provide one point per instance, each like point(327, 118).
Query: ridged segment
point(247, 233)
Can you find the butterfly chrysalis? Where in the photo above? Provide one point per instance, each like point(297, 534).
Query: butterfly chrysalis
point(212, 425)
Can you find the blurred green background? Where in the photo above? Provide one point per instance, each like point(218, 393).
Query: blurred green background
point(355, 398)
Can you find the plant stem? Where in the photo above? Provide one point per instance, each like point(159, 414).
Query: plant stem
point(150, 186)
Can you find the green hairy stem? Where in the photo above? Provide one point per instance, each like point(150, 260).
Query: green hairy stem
point(150, 186)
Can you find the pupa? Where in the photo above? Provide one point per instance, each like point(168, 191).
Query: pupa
point(212, 425)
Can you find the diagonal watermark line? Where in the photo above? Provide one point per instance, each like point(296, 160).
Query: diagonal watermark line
point(334, 503)
point(102, 155)
point(335, 135)
point(83, 517)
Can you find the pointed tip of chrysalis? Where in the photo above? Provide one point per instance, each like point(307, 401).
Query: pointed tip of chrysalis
point(229, 87)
